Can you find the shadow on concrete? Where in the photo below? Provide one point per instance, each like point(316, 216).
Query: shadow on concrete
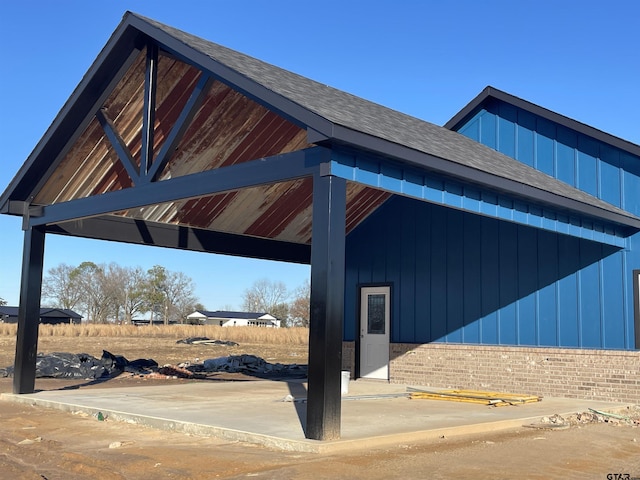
point(299, 393)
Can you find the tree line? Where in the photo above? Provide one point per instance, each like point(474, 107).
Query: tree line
point(113, 293)
point(290, 307)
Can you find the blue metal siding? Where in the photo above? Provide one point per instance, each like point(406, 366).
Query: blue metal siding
point(472, 268)
point(405, 255)
point(587, 166)
point(566, 150)
point(610, 176)
point(590, 303)
point(547, 295)
point(545, 149)
point(525, 137)
point(454, 277)
point(438, 251)
point(527, 285)
point(490, 277)
point(614, 332)
point(508, 283)
point(461, 277)
point(507, 130)
point(630, 166)
point(422, 289)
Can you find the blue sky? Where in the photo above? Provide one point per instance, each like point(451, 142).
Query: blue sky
point(428, 59)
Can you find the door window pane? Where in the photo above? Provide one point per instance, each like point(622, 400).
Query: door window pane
point(375, 314)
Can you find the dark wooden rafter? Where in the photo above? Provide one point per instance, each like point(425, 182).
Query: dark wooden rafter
point(180, 127)
point(149, 109)
point(279, 168)
point(119, 145)
point(151, 165)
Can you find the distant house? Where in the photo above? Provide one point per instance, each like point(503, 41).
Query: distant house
point(234, 319)
point(49, 316)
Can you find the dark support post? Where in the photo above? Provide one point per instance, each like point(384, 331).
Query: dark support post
point(327, 307)
point(24, 376)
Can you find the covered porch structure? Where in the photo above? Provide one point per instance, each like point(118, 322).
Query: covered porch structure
point(170, 140)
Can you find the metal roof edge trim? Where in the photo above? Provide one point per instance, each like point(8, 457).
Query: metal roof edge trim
point(492, 92)
point(462, 172)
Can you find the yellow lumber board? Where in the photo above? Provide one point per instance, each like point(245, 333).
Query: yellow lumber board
point(418, 396)
point(518, 396)
point(475, 396)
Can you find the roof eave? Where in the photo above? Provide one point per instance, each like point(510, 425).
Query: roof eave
point(364, 141)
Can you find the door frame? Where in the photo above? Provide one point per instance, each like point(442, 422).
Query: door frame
point(358, 343)
point(636, 307)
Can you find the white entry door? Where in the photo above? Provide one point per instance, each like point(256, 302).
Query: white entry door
point(374, 332)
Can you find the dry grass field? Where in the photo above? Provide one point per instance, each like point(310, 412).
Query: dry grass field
point(275, 345)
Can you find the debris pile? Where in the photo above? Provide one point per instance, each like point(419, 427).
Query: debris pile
point(630, 416)
point(249, 365)
point(87, 367)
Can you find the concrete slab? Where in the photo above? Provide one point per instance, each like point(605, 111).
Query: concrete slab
point(256, 412)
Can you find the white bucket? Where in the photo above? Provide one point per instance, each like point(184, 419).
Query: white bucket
point(344, 385)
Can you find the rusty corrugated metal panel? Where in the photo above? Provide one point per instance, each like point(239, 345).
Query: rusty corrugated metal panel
point(295, 198)
point(361, 202)
point(228, 129)
point(281, 211)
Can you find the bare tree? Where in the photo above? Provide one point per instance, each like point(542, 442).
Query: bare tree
point(299, 310)
point(267, 296)
point(62, 287)
point(125, 286)
point(96, 297)
point(2, 302)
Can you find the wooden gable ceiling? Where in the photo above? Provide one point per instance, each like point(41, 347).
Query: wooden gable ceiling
point(229, 128)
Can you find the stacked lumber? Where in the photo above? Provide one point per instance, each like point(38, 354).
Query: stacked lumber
point(496, 399)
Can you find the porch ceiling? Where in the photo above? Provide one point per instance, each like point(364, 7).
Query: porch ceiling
point(227, 129)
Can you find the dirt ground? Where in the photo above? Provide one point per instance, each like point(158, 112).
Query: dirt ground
point(40, 443)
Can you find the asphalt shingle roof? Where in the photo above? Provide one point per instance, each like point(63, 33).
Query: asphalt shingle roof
point(360, 115)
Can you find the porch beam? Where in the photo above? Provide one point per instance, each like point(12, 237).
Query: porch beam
point(24, 375)
point(279, 168)
point(327, 307)
point(128, 230)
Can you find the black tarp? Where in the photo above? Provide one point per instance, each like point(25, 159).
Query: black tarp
point(85, 366)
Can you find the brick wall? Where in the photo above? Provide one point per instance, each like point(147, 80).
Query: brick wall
point(611, 375)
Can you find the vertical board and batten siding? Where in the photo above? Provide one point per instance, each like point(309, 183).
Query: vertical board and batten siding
point(602, 291)
point(464, 278)
point(491, 277)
